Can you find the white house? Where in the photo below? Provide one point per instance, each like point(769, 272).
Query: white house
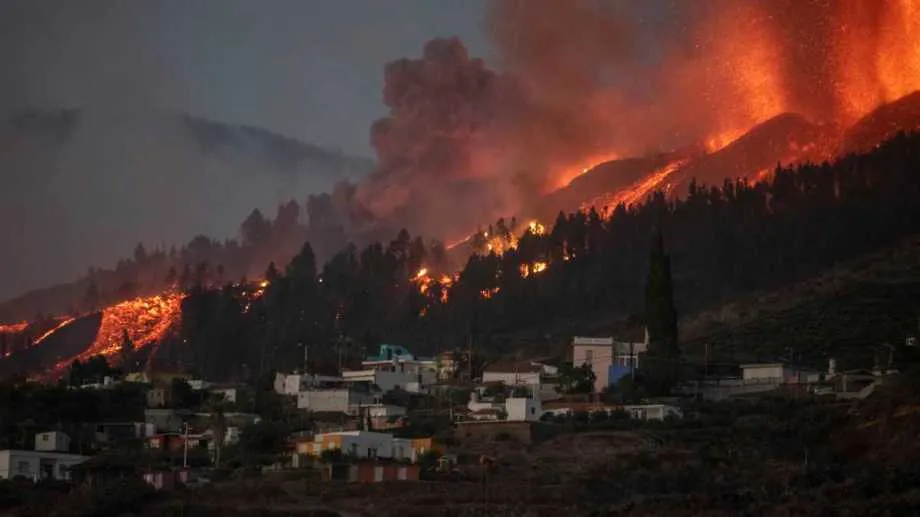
point(609, 359)
point(384, 416)
point(388, 380)
point(338, 400)
point(365, 445)
point(513, 409)
point(294, 383)
point(523, 409)
point(52, 441)
point(777, 373)
point(48, 463)
point(518, 373)
point(228, 393)
point(653, 411)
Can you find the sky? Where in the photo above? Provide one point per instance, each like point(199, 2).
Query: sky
point(309, 69)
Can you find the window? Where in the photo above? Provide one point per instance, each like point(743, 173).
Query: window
point(44, 437)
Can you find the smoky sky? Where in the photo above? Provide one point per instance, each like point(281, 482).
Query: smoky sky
point(309, 69)
point(131, 171)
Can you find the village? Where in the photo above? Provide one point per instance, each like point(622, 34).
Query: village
point(399, 418)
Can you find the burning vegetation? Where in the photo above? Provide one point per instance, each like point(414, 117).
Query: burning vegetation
point(588, 120)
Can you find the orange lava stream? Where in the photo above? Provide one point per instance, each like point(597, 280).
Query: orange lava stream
point(568, 174)
point(59, 326)
point(147, 321)
point(637, 191)
point(13, 328)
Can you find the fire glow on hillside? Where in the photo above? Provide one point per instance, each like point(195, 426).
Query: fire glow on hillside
point(61, 324)
point(147, 320)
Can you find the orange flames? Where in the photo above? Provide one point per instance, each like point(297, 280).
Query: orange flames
point(489, 293)
point(424, 281)
point(533, 269)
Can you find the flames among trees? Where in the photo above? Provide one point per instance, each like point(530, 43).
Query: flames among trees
point(722, 241)
point(578, 83)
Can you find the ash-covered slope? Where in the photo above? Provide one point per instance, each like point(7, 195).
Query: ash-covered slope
point(782, 140)
point(882, 123)
point(84, 186)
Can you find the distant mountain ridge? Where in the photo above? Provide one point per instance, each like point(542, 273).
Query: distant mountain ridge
point(83, 185)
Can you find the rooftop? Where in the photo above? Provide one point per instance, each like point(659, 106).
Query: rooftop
point(514, 366)
point(389, 353)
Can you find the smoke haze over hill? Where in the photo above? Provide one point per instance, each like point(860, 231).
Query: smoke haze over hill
point(83, 187)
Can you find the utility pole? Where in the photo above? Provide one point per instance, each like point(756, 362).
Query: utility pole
point(469, 354)
point(708, 357)
point(185, 447)
point(306, 356)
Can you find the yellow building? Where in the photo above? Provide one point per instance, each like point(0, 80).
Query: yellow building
point(366, 445)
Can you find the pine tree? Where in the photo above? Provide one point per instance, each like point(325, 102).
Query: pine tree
point(661, 318)
point(127, 351)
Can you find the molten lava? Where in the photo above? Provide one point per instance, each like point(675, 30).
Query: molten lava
point(567, 174)
point(639, 190)
point(13, 328)
point(147, 321)
point(63, 323)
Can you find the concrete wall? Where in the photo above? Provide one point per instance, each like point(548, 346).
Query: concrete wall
point(163, 420)
point(288, 384)
point(339, 400)
point(229, 394)
point(388, 381)
point(512, 379)
point(762, 372)
point(600, 357)
point(36, 465)
point(52, 441)
point(652, 411)
point(523, 409)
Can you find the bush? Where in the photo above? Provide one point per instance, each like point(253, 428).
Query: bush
point(502, 436)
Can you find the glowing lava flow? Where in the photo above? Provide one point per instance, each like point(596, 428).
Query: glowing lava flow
point(147, 321)
point(63, 323)
point(638, 191)
point(569, 174)
point(13, 328)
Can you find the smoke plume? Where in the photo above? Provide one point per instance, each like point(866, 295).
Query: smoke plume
point(582, 81)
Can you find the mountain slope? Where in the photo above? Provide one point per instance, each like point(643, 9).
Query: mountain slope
point(844, 312)
point(101, 181)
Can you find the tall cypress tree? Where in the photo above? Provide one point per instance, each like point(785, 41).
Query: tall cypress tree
point(661, 317)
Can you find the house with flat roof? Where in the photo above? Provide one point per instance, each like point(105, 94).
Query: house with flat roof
point(609, 358)
point(50, 460)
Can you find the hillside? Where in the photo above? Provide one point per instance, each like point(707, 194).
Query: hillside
point(843, 312)
point(157, 177)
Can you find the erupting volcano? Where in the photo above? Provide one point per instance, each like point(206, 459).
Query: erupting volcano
point(718, 88)
point(597, 103)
